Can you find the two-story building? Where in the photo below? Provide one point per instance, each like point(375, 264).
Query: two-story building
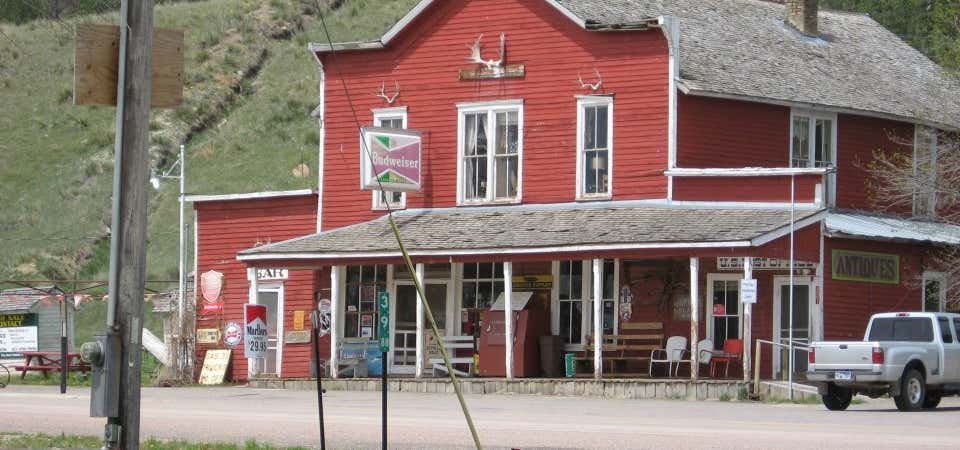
point(614, 166)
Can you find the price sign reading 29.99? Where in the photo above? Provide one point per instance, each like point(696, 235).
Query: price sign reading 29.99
point(384, 301)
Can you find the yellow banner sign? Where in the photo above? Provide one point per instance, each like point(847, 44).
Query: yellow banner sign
point(532, 282)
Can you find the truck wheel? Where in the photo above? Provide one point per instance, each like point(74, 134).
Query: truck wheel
point(837, 398)
point(912, 391)
point(932, 400)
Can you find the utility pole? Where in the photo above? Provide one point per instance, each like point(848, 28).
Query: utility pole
point(128, 250)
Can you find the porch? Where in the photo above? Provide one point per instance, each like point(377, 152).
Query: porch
point(562, 273)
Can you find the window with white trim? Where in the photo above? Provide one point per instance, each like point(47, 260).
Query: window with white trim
point(925, 172)
point(390, 118)
point(609, 274)
point(594, 147)
point(490, 149)
point(570, 299)
point(724, 308)
point(363, 287)
point(934, 291)
point(813, 143)
point(482, 283)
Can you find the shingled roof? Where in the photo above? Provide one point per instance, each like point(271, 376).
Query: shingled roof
point(543, 229)
point(742, 49)
point(22, 299)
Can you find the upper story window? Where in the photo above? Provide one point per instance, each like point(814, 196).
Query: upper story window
point(934, 291)
point(490, 152)
point(925, 172)
point(594, 147)
point(390, 118)
point(813, 143)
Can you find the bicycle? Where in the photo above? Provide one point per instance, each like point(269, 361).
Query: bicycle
point(4, 376)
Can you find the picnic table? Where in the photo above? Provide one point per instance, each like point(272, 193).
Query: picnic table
point(50, 361)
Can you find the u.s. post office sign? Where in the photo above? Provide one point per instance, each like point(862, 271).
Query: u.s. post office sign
point(870, 267)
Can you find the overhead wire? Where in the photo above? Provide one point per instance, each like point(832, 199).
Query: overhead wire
point(397, 235)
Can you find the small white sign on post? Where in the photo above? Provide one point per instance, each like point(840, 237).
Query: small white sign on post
point(748, 291)
point(255, 331)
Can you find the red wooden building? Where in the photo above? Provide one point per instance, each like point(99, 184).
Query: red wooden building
point(615, 166)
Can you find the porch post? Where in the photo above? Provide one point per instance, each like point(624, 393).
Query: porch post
point(335, 307)
point(597, 319)
point(694, 314)
point(420, 318)
point(508, 317)
point(253, 364)
point(747, 321)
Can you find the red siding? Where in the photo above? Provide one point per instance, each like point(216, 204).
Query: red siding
point(755, 189)
point(728, 133)
point(857, 139)
point(426, 62)
point(225, 228)
point(848, 305)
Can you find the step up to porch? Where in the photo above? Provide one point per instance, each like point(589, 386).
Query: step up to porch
point(616, 388)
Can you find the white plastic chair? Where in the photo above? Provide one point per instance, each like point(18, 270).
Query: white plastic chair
point(672, 354)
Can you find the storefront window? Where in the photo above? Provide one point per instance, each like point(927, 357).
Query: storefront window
point(608, 292)
point(364, 285)
point(570, 284)
point(482, 283)
point(725, 311)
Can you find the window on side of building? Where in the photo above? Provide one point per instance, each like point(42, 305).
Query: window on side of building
point(363, 286)
point(934, 291)
point(570, 290)
point(724, 309)
point(482, 283)
point(594, 147)
point(390, 118)
point(813, 144)
point(925, 172)
point(609, 274)
point(490, 152)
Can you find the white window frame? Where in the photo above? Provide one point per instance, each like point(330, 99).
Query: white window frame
point(275, 287)
point(711, 277)
point(491, 108)
point(938, 277)
point(586, 294)
point(813, 115)
point(584, 102)
point(379, 115)
point(918, 141)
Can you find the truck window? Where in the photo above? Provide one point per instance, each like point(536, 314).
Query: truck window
point(909, 329)
point(945, 333)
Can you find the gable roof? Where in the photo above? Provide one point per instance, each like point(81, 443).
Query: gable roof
point(22, 299)
point(742, 49)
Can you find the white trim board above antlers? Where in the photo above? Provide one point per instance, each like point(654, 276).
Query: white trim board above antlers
point(491, 68)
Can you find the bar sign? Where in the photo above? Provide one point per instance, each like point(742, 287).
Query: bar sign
point(384, 301)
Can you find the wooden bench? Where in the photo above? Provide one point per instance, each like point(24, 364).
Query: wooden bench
point(452, 344)
point(634, 343)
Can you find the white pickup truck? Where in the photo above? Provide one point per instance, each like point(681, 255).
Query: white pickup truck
point(912, 356)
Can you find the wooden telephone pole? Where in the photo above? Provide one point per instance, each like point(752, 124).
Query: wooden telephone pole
point(128, 249)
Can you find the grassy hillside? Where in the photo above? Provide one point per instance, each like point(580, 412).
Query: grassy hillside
point(250, 86)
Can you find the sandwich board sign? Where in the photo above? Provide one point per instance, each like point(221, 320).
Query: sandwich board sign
point(255, 331)
point(390, 159)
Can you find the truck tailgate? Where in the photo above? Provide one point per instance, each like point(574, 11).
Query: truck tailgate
point(846, 355)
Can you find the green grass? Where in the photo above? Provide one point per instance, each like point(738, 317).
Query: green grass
point(20, 440)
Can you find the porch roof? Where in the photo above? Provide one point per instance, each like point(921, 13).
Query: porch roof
point(847, 223)
point(544, 229)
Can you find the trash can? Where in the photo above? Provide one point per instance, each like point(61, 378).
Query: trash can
point(551, 353)
point(569, 365)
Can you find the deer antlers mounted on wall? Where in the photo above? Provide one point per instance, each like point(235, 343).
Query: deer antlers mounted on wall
point(593, 87)
point(383, 94)
point(493, 64)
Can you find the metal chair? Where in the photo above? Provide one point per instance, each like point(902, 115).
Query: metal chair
point(671, 354)
point(704, 354)
point(732, 351)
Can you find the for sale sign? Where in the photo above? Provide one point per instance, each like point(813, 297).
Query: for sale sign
point(18, 333)
point(255, 331)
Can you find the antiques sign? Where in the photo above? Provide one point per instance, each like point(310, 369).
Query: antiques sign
point(18, 333)
point(866, 266)
point(736, 263)
point(391, 159)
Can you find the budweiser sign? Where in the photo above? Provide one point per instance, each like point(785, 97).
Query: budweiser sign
point(390, 159)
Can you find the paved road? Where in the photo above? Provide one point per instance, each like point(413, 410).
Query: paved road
point(504, 421)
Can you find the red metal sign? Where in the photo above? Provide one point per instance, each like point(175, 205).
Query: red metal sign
point(211, 285)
